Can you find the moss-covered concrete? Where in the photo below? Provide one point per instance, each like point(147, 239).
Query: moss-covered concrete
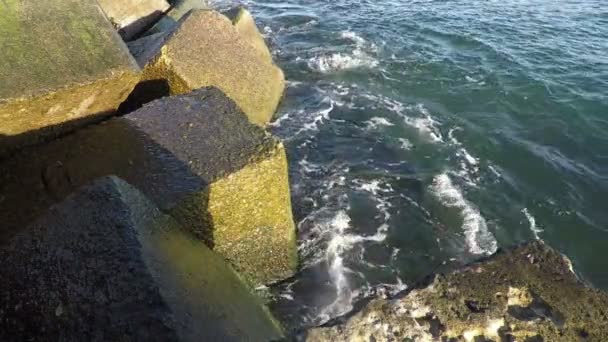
point(251, 213)
point(60, 61)
point(205, 49)
point(196, 156)
point(529, 293)
point(106, 264)
point(133, 17)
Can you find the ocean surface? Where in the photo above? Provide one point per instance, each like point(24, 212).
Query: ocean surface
point(423, 135)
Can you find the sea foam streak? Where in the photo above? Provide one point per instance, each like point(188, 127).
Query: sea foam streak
point(532, 221)
point(478, 239)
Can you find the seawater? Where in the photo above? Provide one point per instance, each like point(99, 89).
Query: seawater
point(423, 135)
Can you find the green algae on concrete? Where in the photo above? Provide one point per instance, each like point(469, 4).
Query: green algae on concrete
point(529, 293)
point(205, 49)
point(60, 61)
point(196, 156)
point(133, 17)
point(106, 264)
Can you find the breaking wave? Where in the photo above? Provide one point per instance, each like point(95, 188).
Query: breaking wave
point(477, 237)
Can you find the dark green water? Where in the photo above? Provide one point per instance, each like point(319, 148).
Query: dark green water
point(425, 134)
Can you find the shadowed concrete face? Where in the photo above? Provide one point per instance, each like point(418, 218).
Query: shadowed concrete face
point(107, 265)
point(205, 49)
point(196, 156)
point(179, 8)
point(60, 62)
point(132, 17)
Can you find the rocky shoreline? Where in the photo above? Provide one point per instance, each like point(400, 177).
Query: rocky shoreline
point(527, 293)
point(143, 199)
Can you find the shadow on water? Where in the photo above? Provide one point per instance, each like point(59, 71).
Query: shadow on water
point(39, 176)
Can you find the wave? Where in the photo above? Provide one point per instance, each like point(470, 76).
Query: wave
point(477, 237)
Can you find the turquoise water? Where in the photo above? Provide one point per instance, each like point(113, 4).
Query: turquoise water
point(425, 134)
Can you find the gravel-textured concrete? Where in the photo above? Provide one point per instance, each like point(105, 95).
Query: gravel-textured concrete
point(107, 265)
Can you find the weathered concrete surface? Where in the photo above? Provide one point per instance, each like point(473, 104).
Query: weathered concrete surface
point(194, 155)
point(107, 265)
point(207, 50)
point(133, 17)
point(179, 8)
point(61, 64)
point(525, 294)
point(245, 24)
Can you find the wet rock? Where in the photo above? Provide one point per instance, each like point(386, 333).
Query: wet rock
point(503, 298)
point(107, 265)
point(245, 24)
point(205, 49)
point(196, 156)
point(133, 17)
point(62, 65)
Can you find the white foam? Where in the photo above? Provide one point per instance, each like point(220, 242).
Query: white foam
point(308, 167)
point(285, 117)
point(376, 122)
point(373, 187)
point(359, 57)
point(353, 36)
point(405, 144)
point(532, 221)
point(340, 242)
point(469, 158)
point(337, 271)
point(340, 61)
point(318, 118)
point(469, 165)
point(286, 296)
point(477, 237)
point(426, 124)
